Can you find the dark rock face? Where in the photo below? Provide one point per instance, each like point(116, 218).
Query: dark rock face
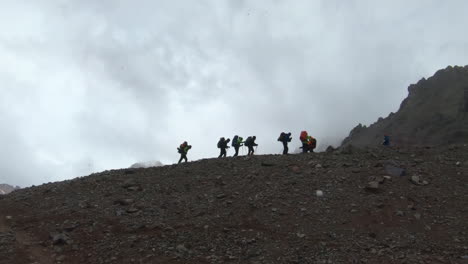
point(434, 113)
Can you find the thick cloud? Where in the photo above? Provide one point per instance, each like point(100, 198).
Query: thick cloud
point(93, 85)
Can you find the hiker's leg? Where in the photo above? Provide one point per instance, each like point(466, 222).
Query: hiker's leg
point(304, 148)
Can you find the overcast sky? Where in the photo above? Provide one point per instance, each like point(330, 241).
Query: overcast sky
point(92, 85)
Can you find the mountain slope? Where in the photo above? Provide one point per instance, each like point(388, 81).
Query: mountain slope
point(261, 209)
point(435, 112)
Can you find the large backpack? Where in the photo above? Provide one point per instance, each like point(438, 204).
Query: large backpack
point(248, 142)
point(181, 148)
point(220, 142)
point(303, 136)
point(282, 136)
point(234, 141)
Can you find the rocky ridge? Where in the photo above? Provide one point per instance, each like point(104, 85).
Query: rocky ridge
point(434, 113)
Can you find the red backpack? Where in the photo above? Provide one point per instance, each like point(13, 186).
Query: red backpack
point(303, 136)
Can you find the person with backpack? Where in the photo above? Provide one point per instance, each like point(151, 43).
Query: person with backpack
point(237, 143)
point(183, 149)
point(303, 137)
point(309, 143)
point(386, 141)
point(223, 145)
point(285, 138)
point(312, 143)
point(250, 143)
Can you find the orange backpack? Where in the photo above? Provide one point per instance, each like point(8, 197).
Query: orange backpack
point(303, 136)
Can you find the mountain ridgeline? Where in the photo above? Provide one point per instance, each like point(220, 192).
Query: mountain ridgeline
point(434, 113)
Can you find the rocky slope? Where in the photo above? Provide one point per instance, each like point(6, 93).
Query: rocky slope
point(385, 205)
point(435, 112)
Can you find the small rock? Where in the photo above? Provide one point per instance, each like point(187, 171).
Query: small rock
point(380, 205)
point(319, 193)
point(124, 201)
point(134, 188)
point(132, 210)
point(372, 186)
point(380, 179)
point(299, 235)
point(318, 166)
point(417, 216)
point(84, 204)
point(387, 177)
point(60, 239)
point(395, 171)
point(400, 213)
point(181, 248)
point(119, 212)
point(129, 183)
point(8, 217)
point(415, 180)
point(458, 164)
point(274, 209)
point(221, 196)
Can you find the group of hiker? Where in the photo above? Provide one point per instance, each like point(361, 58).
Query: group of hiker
point(309, 143)
point(237, 142)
